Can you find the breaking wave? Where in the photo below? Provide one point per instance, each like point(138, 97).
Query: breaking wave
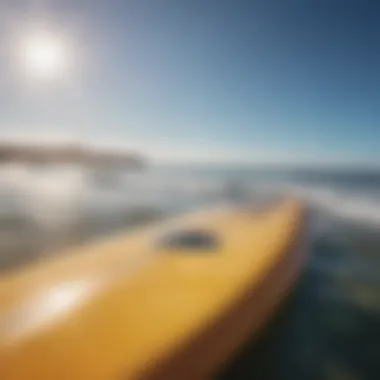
point(52, 196)
point(53, 207)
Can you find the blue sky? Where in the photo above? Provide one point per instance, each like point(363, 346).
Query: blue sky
point(205, 80)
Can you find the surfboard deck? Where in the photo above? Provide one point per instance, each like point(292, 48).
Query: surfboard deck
point(173, 301)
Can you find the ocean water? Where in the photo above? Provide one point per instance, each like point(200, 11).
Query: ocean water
point(329, 327)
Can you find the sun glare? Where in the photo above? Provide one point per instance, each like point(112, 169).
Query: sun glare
point(44, 56)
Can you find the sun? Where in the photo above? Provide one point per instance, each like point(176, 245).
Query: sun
point(44, 56)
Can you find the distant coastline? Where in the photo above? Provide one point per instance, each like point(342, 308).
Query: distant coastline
point(69, 154)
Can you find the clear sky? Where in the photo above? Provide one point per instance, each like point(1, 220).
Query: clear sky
point(214, 80)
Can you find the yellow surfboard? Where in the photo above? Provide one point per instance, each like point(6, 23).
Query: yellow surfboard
point(173, 301)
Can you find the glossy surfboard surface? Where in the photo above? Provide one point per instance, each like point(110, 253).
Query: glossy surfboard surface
point(173, 301)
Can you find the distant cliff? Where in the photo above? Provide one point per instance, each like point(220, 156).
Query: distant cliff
point(69, 154)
